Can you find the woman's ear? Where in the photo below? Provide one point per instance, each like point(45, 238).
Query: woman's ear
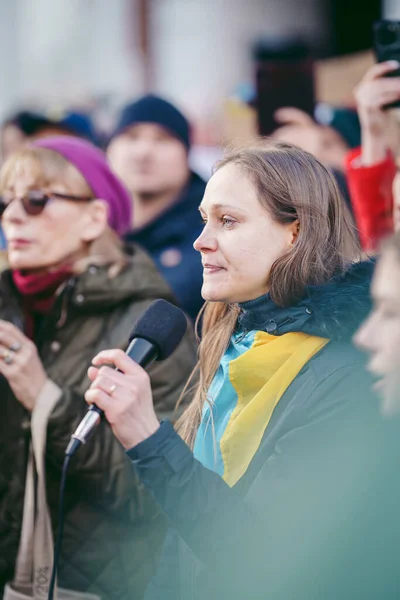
point(294, 229)
point(96, 221)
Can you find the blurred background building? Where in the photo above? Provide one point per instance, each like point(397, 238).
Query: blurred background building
point(100, 53)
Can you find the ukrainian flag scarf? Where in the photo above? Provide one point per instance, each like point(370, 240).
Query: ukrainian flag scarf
point(254, 373)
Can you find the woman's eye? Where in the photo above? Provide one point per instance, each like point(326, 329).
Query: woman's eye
point(227, 222)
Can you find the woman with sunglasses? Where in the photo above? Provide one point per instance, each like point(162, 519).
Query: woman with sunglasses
point(71, 290)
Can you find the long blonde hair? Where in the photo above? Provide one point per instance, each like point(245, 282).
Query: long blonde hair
point(46, 167)
point(291, 185)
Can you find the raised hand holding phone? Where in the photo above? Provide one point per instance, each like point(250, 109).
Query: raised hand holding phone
point(372, 95)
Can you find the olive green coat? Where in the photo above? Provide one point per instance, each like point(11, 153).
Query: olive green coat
point(112, 529)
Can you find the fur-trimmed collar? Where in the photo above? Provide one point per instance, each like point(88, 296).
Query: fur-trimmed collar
point(334, 310)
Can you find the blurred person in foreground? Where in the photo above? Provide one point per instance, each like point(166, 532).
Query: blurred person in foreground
point(263, 481)
point(371, 168)
point(149, 151)
point(380, 334)
point(73, 288)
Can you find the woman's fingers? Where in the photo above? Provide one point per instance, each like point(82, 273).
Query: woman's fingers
point(10, 327)
point(115, 383)
point(391, 94)
point(125, 396)
point(119, 359)
point(109, 384)
point(8, 358)
point(92, 373)
point(11, 336)
point(98, 397)
point(388, 85)
point(380, 69)
point(106, 384)
point(375, 94)
point(108, 380)
point(108, 372)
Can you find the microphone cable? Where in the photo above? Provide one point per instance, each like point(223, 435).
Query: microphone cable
point(57, 546)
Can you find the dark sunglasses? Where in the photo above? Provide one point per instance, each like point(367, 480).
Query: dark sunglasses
point(35, 201)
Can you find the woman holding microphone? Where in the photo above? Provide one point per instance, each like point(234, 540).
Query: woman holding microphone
point(249, 480)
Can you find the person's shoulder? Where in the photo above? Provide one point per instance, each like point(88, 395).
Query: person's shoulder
point(143, 275)
point(142, 279)
point(124, 294)
point(193, 194)
point(338, 381)
point(335, 356)
point(337, 362)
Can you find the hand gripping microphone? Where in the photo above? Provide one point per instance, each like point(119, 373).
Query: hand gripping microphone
point(155, 336)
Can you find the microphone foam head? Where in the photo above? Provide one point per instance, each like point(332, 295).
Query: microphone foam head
point(162, 324)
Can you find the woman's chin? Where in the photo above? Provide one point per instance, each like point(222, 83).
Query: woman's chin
point(389, 391)
point(16, 265)
point(216, 296)
point(20, 263)
point(212, 293)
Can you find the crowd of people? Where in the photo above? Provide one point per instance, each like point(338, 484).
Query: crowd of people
point(260, 459)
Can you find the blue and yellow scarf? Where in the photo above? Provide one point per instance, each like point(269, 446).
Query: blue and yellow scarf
point(253, 375)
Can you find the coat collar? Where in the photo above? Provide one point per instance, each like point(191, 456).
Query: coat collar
point(94, 290)
point(334, 310)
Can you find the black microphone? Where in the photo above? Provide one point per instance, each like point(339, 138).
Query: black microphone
point(155, 336)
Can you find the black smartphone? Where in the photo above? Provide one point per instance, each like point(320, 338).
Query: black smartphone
point(386, 35)
point(284, 73)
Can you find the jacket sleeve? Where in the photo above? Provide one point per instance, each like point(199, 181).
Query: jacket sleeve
point(297, 498)
point(371, 197)
point(101, 466)
point(99, 469)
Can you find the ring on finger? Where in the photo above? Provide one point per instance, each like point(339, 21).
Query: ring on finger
point(7, 357)
point(112, 389)
point(15, 347)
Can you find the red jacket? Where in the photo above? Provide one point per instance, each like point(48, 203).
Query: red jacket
point(371, 197)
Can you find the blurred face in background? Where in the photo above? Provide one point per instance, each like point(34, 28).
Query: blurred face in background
point(150, 160)
point(61, 233)
point(380, 334)
point(12, 139)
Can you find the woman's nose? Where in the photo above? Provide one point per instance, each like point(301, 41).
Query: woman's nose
point(364, 337)
point(206, 241)
point(14, 212)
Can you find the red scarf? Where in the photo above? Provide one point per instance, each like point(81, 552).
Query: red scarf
point(38, 292)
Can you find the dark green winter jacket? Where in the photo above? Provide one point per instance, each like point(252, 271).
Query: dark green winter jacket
point(316, 514)
point(113, 529)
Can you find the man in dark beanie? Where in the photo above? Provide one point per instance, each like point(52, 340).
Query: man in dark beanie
point(149, 151)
